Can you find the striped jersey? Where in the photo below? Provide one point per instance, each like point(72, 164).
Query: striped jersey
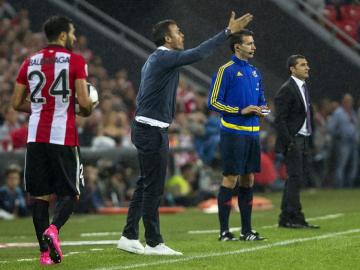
point(49, 76)
point(236, 85)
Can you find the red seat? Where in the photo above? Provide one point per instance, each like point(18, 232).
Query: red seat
point(351, 12)
point(330, 13)
point(355, 13)
point(349, 27)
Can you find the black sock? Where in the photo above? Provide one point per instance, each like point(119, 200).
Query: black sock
point(224, 205)
point(63, 210)
point(40, 214)
point(245, 200)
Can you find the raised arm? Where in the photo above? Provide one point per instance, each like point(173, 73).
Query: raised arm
point(181, 58)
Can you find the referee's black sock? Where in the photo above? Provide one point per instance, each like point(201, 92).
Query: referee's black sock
point(224, 205)
point(63, 210)
point(40, 214)
point(245, 200)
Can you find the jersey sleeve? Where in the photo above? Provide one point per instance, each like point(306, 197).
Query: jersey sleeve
point(80, 67)
point(177, 58)
point(22, 75)
point(217, 94)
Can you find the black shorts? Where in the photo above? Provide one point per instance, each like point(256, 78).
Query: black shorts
point(240, 153)
point(52, 168)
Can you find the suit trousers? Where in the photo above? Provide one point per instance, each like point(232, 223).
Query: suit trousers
point(152, 144)
point(297, 160)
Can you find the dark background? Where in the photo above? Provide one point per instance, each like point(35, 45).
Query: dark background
point(276, 35)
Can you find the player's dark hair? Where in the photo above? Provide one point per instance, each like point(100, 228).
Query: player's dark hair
point(292, 61)
point(160, 30)
point(237, 38)
point(55, 25)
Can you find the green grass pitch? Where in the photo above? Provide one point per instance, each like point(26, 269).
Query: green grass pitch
point(335, 246)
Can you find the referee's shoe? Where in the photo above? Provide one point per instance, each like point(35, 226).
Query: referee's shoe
point(251, 236)
point(227, 236)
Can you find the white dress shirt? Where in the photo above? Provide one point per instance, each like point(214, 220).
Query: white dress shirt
point(300, 83)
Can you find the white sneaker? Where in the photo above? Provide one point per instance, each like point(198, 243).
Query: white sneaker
point(161, 249)
point(6, 215)
point(133, 246)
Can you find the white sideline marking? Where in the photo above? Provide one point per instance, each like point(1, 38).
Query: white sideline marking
point(237, 229)
point(238, 251)
point(26, 260)
point(65, 255)
point(65, 243)
point(99, 234)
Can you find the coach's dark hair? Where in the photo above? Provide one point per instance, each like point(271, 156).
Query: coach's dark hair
point(55, 25)
point(237, 38)
point(160, 30)
point(292, 60)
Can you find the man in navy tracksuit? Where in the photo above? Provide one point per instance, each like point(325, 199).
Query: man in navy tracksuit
point(156, 102)
point(236, 93)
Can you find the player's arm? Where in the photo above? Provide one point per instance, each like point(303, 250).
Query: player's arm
point(18, 99)
point(85, 103)
point(218, 89)
point(206, 48)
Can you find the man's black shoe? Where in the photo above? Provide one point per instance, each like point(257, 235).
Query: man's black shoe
point(251, 236)
point(310, 226)
point(227, 236)
point(291, 225)
point(298, 225)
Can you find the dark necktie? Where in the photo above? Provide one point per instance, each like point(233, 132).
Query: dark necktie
point(308, 116)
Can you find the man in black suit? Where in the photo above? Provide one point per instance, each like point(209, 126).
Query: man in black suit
point(294, 125)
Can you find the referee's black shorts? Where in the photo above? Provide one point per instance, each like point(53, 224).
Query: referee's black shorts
point(240, 153)
point(52, 168)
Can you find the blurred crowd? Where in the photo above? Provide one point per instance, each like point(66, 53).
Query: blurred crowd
point(194, 171)
point(344, 14)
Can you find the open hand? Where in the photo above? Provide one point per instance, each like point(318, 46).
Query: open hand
point(236, 25)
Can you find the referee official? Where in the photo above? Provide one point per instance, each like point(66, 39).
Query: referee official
point(237, 94)
point(155, 111)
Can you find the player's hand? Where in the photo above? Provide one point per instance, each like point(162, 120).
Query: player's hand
point(83, 112)
point(236, 25)
point(264, 110)
point(252, 109)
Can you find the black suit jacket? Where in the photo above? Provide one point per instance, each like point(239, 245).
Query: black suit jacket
point(290, 114)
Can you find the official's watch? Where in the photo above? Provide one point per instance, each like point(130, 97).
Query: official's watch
point(227, 32)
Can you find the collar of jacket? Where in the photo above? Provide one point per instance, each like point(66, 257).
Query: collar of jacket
point(239, 61)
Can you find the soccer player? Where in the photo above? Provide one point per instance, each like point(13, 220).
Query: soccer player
point(45, 87)
point(155, 111)
point(237, 94)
